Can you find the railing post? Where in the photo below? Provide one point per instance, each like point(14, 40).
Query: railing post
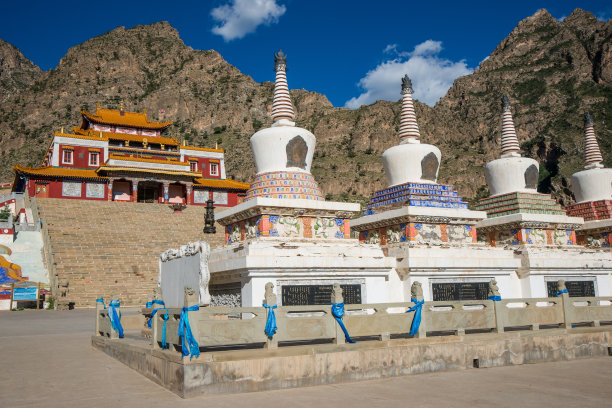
point(568, 305)
point(500, 311)
point(270, 300)
point(155, 328)
point(191, 299)
point(337, 298)
point(99, 306)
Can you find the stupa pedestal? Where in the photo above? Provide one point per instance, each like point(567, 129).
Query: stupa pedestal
point(303, 247)
point(432, 235)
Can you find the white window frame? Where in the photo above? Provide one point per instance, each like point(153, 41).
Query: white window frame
point(195, 167)
point(92, 154)
point(64, 151)
point(216, 167)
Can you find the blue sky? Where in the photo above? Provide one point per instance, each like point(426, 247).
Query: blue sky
point(354, 52)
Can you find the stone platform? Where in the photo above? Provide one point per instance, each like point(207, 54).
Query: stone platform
point(257, 370)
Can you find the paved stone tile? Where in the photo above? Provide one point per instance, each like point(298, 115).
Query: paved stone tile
point(48, 361)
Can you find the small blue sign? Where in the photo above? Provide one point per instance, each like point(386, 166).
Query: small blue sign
point(25, 293)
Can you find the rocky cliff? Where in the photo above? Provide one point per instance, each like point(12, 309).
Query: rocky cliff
point(553, 72)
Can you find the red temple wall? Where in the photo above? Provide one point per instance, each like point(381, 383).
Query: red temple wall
point(55, 190)
point(80, 157)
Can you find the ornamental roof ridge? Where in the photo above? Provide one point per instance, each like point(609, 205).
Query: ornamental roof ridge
point(123, 118)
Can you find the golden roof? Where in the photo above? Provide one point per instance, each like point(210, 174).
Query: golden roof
point(219, 183)
point(106, 167)
point(95, 135)
point(149, 160)
point(123, 118)
point(58, 172)
point(202, 149)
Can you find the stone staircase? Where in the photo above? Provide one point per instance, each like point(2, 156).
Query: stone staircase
point(101, 248)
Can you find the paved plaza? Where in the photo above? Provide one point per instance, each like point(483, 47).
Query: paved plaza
point(48, 361)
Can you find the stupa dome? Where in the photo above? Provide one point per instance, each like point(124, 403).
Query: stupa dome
point(511, 173)
point(410, 161)
point(594, 183)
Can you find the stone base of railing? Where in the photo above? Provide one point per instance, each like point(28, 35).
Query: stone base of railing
point(286, 367)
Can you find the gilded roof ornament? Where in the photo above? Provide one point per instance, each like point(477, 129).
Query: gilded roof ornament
point(280, 61)
point(505, 103)
point(406, 85)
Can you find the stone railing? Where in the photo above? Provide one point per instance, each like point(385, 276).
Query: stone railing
point(225, 326)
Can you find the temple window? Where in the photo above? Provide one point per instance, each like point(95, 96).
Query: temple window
point(67, 158)
point(193, 165)
point(93, 158)
point(214, 169)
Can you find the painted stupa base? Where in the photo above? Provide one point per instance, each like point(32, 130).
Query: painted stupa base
point(586, 271)
point(285, 185)
point(529, 229)
point(303, 247)
point(416, 195)
point(519, 202)
point(437, 247)
point(596, 234)
point(591, 210)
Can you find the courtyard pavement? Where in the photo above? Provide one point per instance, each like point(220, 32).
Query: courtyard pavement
point(48, 361)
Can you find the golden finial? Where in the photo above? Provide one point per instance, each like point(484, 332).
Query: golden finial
point(217, 145)
point(62, 130)
point(184, 142)
point(100, 134)
point(122, 103)
point(144, 111)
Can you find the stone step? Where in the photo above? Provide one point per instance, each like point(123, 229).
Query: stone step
point(103, 248)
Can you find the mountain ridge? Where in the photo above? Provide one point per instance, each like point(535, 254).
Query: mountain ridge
point(552, 71)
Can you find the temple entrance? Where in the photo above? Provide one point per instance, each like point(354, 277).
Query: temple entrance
point(148, 192)
point(122, 190)
point(176, 194)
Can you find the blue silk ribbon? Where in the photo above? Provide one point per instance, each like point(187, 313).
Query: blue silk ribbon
point(495, 298)
point(189, 343)
point(115, 316)
point(155, 309)
point(560, 292)
point(416, 320)
point(101, 300)
point(338, 311)
point(271, 328)
point(165, 317)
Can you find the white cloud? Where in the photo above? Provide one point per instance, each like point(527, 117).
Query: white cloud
point(560, 19)
point(604, 15)
point(431, 76)
point(242, 17)
point(391, 48)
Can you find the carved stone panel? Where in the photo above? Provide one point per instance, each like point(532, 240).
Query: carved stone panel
point(71, 189)
point(297, 149)
point(94, 190)
point(531, 176)
point(429, 167)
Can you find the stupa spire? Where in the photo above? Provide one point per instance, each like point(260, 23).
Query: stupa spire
point(281, 107)
point(409, 129)
point(509, 141)
point(592, 154)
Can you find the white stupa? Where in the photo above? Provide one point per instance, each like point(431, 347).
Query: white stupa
point(410, 161)
point(427, 226)
point(283, 153)
point(286, 233)
point(535, 227)
point(592, 189)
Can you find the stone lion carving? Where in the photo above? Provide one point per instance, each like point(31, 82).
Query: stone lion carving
point(561, 285)
point(493, 288)
point(337, 294)
point(269, 295)
point(416, 291)
point(191, 297)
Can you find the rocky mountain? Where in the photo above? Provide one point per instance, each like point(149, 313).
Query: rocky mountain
point(552, 71)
